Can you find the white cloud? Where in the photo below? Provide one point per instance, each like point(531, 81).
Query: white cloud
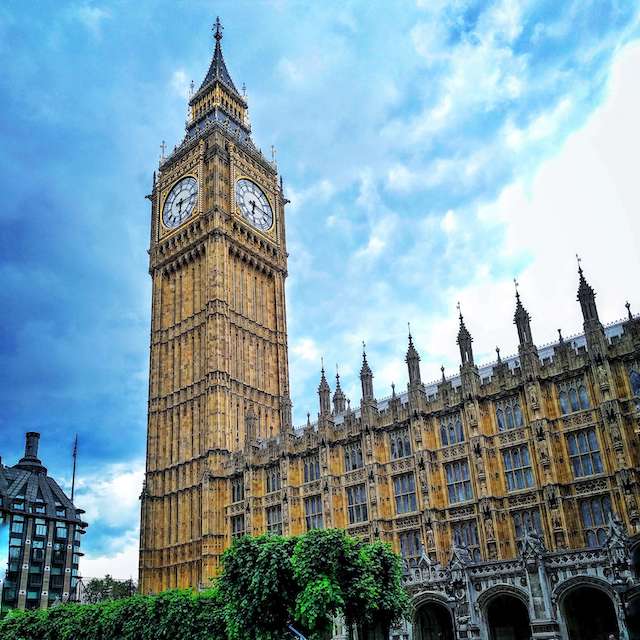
point(179, 83)
point(92, 18)
point(449, 222)
point(378, 239)
point(122, 564)
point(110, 496)
point(306, 349)
point(584, 199)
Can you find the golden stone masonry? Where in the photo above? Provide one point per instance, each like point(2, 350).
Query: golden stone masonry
point(538, 451)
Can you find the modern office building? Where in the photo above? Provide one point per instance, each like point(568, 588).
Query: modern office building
point(44, 534)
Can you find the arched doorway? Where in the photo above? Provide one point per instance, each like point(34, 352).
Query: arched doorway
point(433, 622)
point(508, 618)
point(589, 614)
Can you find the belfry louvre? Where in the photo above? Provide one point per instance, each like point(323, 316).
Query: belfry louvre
point(511, 487)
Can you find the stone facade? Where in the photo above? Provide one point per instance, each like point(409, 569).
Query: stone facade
point(45, 530)
point(506, 487)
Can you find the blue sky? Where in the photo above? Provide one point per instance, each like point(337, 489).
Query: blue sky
point(431, 150)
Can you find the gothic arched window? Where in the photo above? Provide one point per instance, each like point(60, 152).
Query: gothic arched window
point(509, 414)
point(584, 397)
point(451, 431)
point(573, 399)
point(517, 414)
point(573, 396)
point(564, 403)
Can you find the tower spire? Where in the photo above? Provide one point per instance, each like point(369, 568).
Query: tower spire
point(521, 319)
point(339, 399)
point(464, 340)
point(324, 393)
point(586, 296)
point(413, 361)
point(366, 376)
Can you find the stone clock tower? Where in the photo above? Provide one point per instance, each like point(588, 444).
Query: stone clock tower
point(218, 372)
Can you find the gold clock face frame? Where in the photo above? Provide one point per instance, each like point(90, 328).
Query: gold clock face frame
point(180, 202)
point(253, 204)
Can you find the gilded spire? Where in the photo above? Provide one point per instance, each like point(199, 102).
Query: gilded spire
point(218, 71)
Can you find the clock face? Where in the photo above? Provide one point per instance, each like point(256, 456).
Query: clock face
point(254, 204)
point(180, 202)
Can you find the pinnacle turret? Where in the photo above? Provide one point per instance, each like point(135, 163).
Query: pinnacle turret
point(464, 341)
point(339, 399)
point(366, 377)
point(586, 298)
point(218, 71)
point(324, 393)
point(413, 362)
point(522, 320)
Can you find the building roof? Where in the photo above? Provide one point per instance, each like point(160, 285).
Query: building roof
point(29, 482)
point(485, 371)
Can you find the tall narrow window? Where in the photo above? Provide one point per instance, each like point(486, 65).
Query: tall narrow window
point(313, 512)
point(451, 431)
point(273, 478)
point(237, 526)
point(595, 515)
point(411, 546)
point(357, 503)
point(458, 481)
point(573, 396)
point(466, 534)
point(274, 520)
point(526, 520)
point(237, 489)
point(509, 414)
point(400, 443)
point(517, 468)
point(353, 456)
point(404, 489)
point(312, 468)
point(584, 453)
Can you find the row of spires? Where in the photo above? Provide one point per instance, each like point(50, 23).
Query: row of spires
point(522, 320)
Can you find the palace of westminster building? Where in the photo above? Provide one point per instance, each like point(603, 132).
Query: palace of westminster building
point(511, 490)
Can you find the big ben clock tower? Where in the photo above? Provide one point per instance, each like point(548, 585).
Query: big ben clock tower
point(218, 365)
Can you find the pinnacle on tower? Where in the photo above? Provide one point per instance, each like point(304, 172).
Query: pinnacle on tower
point(218, 69)
point(366, 376)
point(324, 394)
point(464, 340)
point(339, 399)
point(586, 297)
point(522, 320)
point(413, 362)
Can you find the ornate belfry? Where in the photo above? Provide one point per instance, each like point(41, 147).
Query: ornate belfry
point(511, 489)
point(218, 365)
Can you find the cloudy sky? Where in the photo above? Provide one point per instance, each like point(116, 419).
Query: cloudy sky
point(432, 152)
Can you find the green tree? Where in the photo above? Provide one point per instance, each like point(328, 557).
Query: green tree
point(108, 588)
point(258, 587)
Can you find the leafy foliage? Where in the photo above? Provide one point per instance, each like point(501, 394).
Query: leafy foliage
point(108, 588)
point(267, 582)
